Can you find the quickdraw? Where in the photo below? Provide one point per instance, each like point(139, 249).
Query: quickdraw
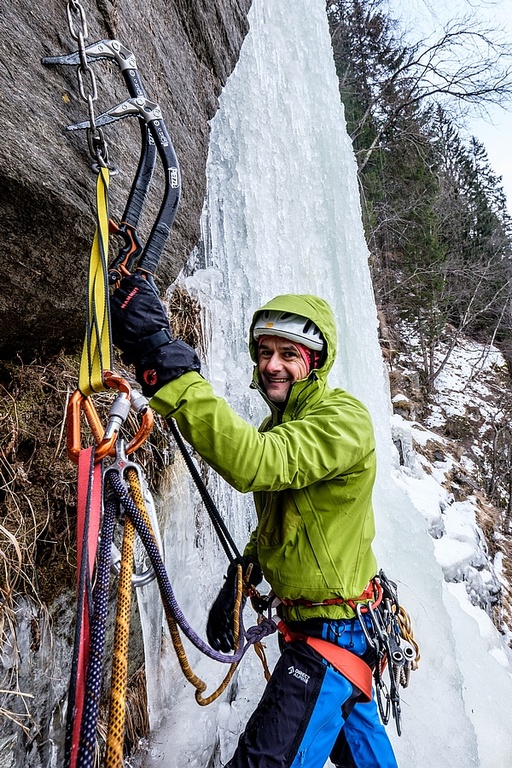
point(388, 631)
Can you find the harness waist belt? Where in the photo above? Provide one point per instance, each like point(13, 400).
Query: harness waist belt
point(372, 592)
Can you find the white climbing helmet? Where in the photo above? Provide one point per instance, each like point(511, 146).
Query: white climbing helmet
point(286, 324)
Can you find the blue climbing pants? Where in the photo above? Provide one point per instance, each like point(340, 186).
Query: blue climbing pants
point(310, 712)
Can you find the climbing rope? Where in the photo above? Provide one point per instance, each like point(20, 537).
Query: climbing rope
point(87, 748)
point(119, 674)
point(192, 678)
point(252, 635)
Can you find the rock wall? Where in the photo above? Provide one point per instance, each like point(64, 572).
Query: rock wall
point(185, 51)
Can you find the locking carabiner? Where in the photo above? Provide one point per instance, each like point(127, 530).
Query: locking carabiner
point(120, 466)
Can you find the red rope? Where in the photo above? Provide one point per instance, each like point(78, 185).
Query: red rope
point(88, 522)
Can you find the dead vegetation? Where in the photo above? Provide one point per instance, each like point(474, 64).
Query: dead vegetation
point(37, 480)
point(136, 713)
point(38, 500)
point(185, 316)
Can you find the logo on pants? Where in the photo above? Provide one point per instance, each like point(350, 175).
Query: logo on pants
point(299, 674)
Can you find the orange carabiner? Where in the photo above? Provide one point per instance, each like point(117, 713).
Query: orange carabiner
point(105, 439)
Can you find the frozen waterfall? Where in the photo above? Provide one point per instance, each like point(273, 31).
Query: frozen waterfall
point(282, 215)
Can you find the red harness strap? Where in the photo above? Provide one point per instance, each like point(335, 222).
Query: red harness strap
point(372, 592)
point(351, 666)
point(88, 522)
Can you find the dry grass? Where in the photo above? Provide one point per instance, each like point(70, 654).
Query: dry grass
point(36, 481)
point(137, 718)
point(38, 497)
point(21, 719)
point(136, 714)
point(185, 313)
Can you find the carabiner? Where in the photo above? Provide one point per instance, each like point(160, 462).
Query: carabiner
point(121, 465)
point(372, 642)
point(106, 439)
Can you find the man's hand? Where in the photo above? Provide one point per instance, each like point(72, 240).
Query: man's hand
point(137, 315)
point(219, 628)
point(141, 330)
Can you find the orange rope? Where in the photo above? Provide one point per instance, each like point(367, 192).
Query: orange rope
point(119, 677)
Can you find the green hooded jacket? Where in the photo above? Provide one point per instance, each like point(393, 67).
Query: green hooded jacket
point(311, 467)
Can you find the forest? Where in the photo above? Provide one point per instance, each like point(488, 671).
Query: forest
point(434, 211)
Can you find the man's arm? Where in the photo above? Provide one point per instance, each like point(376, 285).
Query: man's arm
point(334, 436)
point(330, 440)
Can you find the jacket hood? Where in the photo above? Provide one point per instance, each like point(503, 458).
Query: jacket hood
point(312, 307)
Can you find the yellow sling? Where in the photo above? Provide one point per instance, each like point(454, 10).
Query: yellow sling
point(97, 354)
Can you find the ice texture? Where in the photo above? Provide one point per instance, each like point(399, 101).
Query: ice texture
point(283, 215)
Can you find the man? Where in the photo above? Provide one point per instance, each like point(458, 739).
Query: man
point(311, 468)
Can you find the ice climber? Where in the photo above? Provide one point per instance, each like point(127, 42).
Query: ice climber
point(311, 468)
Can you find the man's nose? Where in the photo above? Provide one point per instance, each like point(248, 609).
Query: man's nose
point(274, 363)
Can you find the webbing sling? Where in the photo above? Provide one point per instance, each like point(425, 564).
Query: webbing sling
point(88, 523)
point(97, 350)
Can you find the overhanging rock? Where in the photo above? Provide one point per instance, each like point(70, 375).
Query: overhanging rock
point(185, 51)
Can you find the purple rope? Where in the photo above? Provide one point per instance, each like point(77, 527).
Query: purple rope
point(87, 748)
point(253, 635)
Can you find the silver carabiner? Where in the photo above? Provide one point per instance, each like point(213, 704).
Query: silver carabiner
point(372, 642)
point(120, 465)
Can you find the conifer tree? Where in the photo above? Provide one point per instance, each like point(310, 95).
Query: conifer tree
point(434, 212)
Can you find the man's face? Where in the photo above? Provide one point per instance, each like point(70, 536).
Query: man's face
point(280, 364)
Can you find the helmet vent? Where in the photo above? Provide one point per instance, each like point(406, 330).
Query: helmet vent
point(288, 325)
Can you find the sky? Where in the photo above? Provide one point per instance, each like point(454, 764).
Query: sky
point(495, 130)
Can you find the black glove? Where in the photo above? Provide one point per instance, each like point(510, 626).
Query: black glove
point(141, 330)
point(138, 317)
point(219, 627)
